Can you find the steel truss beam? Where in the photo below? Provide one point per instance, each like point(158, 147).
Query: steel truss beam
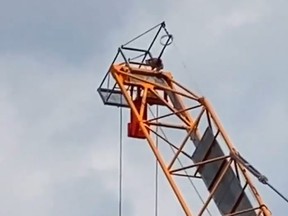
point(210, 146)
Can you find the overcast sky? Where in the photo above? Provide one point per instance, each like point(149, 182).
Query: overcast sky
point(59, 143)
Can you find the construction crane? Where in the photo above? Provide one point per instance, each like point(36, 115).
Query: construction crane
point(140, 81)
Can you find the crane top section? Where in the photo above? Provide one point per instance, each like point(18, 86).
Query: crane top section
point(141, 63)
point(143, 68)
point(137, 80)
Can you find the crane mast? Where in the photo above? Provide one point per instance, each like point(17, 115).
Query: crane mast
point(209, 153)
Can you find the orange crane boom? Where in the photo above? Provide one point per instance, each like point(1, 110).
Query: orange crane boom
point(212, 157)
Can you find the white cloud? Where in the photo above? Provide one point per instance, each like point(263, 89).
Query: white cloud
point(233, 20)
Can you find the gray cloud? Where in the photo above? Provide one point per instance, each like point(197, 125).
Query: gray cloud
point(71, 31)
point(52, 148)
point(59, 143)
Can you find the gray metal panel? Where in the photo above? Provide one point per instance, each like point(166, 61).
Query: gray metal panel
point(208, 149)
point(149, 78)
point(229, 189)
point(175, 100)
point(242, 205)
point(112, 97)
point(228, 192)
point(178, 105)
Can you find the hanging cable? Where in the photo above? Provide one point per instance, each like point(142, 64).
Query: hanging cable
point(120, 159)
point(181, 165)
point(262, 178)
point(276, 191)
point(156, 167)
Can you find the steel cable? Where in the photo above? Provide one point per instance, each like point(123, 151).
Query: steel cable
point(120, 159)
point(181, 165)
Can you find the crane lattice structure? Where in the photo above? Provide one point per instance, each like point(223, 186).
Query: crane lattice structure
point(138, 83)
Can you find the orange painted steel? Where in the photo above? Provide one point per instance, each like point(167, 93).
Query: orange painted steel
point(142, 88)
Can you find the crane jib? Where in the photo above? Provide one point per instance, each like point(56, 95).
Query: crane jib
point(137, 80)
point(229, 195)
